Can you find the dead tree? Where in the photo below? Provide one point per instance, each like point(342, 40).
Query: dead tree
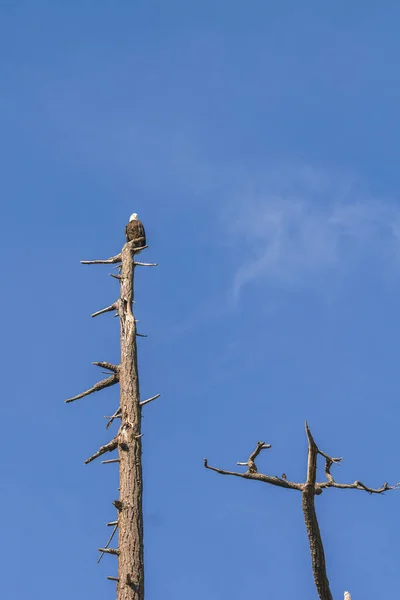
point(128, 440)
point(309, 490)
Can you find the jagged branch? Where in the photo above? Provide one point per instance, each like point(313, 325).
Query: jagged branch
point(252, 471)
point(357, 485)
point(113, 445)
point(101, 385)
point(250, 463)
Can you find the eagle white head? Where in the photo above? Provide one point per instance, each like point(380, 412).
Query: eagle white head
point(133, 217)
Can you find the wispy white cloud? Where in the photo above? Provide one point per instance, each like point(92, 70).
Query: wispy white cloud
point(299, 224)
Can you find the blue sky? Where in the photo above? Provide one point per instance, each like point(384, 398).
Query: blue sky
point(259, 145)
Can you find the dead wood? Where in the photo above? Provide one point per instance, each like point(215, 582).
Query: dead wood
point(309, 489)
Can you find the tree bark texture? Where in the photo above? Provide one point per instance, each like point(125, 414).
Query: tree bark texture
point(130, 518)
point(316, 546)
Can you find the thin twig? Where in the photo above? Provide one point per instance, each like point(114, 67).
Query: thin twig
point(108, 543)
point(108, 462)
point(105, 310)
point(112, 578)
point(116, 415)
point(108, 261)
point(150, 399)
point(141, 264)
point(107, 365)
point(97, 387)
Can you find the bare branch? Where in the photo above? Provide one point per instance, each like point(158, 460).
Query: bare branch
point(141, 334)
point(150, 399)
point(97, 387)
point(108, 261)
point(116, 415)
point(109, 551)
point(108, 543)
point(112, 578)
point(273, 480)
point(357, 485)
point(113, 445)
point(105, 310)
point(112, 523)
point(329, 461)
point(107, 365)
point(140, 264)
point(108, 462)
point(137, 250)
point(251, 465)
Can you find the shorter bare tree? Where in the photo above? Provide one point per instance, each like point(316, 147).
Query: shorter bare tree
point(309, 490)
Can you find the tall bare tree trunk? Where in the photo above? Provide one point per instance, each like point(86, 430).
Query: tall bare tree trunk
point(130, 518)
point(130, 580)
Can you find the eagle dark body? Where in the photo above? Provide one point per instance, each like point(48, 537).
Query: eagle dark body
point(135, 231)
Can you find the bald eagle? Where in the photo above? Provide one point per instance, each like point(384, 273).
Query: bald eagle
point(135, 231)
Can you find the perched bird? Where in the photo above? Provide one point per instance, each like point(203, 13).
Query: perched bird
point(135, 231)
